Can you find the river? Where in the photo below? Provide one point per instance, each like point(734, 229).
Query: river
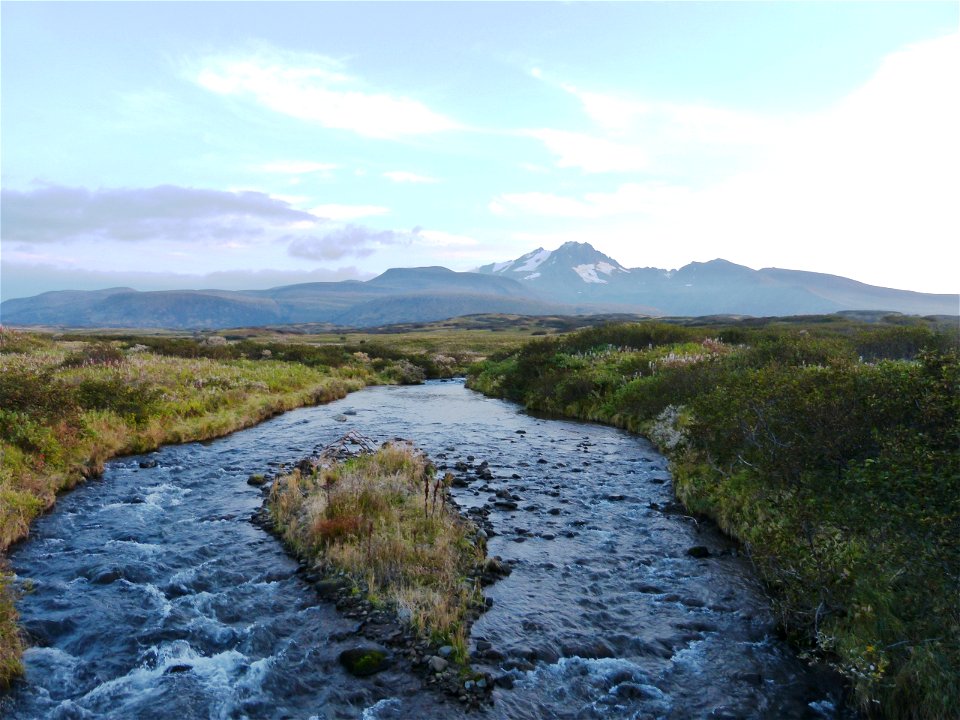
point(149, 594)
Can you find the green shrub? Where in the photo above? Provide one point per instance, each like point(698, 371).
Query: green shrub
point(136, 401)
point(100, 353)
point(900, 343)
point(36, 393)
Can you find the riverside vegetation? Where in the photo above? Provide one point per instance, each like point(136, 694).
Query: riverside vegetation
point(828, 447)
point(68, 405)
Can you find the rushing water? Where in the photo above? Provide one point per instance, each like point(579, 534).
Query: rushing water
point(151, 595)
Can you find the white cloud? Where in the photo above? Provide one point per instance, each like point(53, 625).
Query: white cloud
point(402, 176)
point(675, 123)
point(56, 214)
point(294, 167)
point(348, 212)
point(628, 199)
point(591, 154)
point(635, 134)
point(613, 113)
point(169, 228)
point(869, 185)
point(344, 241)
point(312, 87)
point(439, 238)
point(293, 200)
point(534, 168)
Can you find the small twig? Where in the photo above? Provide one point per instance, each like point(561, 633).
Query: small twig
point(912, 642)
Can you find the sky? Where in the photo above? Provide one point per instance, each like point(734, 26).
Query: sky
point(250, 145)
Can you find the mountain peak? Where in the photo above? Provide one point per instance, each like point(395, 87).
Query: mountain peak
point(717, 268)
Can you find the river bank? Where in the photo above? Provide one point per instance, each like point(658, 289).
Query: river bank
point(840, 477)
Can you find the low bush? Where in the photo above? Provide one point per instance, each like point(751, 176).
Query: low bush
point(136, 401)
point(99, 353)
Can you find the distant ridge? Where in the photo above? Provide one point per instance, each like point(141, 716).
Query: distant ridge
point(573, 279)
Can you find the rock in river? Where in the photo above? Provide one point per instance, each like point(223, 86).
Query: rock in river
point(364, 661)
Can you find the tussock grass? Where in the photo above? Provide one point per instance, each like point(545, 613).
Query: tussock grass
point(383, 518)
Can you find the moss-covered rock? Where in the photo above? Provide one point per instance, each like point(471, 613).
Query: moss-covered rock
point(364, 661)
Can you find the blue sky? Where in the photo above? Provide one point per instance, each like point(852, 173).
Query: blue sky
point(244, 145)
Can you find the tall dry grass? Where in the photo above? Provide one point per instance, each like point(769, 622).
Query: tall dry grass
point(384, 519)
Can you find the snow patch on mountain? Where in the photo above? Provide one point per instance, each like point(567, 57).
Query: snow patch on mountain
point(588, 273)
point(533, 261)
point(606, 268)
point(532, 276)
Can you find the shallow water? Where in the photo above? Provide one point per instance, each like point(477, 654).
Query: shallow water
point(151, 595)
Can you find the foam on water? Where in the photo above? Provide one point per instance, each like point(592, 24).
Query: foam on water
point(381, 710)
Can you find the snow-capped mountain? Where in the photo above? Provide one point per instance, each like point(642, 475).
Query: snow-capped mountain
point(578, 273)
point(567, 272)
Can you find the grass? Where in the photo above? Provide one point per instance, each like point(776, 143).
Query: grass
point(383, 518)
point(11, 643)
point(60, 419)
point(442, 347)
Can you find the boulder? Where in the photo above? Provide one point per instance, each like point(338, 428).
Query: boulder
point(437, 664)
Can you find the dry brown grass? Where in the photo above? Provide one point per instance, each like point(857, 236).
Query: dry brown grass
point(383, 518)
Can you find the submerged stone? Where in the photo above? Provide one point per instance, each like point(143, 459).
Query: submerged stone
point(364, 661)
